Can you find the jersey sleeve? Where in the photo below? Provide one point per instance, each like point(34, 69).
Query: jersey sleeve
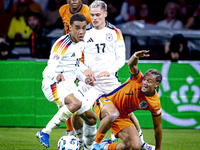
point(57, 52)
point(138, 76)
point(62, 10)
point(82, 67)
point(80, 75)
point(65, 16)
point(154, 105)
point(120, 52)
point(86, 13)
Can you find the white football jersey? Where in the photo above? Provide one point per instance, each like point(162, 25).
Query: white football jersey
point(65, 57)
point(105, 49)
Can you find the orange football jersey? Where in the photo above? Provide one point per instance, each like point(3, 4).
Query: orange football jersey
point(128, 98)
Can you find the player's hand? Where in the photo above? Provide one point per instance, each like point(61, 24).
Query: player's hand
point(60, 77)
point(142, 53)
point(89, 73)
point(103, 74)
point(89, 81)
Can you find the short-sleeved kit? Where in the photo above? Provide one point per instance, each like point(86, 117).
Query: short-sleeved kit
point(128, 98)
point(64, 58)
point(104, 51)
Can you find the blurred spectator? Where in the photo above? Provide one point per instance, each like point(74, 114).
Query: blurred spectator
point(43, 4)
point(7, 13)
point(19, 31)
point(143, 14)
point(86, 2)
point(194, 21)
point(5, 17)
point(38, 42)
point(172, 14)
point(113, 10)
point(187, 13)
point(52, 16)
point(128, 11)
point(177, 49)
point(6, 50)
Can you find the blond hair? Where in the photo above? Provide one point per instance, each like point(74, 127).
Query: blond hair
point(98, 3)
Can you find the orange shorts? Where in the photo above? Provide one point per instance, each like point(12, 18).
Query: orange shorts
point(119, 124)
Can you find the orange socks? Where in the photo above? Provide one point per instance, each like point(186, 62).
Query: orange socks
point(112, 146)
point(69, 125)
point(99, 137)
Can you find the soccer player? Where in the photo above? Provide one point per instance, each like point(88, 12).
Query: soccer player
point(58, 79)
point(66, 11)
point(137, 93)
point(104, 55)
point(73, 6)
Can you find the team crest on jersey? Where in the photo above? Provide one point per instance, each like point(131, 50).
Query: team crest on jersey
point(56, 57)
point(143, 104)
point(109, 37)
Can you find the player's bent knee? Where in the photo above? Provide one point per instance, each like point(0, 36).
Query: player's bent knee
point(92, 121)
point(110, 112)
point(113, 116)
point(73, 107)
point(89, 117)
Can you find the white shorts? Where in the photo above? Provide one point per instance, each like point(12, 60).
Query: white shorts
point(56, 92)
point(91, 93)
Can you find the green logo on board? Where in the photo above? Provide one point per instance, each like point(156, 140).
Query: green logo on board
point(180, 94)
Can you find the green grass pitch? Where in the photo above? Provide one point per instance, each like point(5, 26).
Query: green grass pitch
point(24, 139)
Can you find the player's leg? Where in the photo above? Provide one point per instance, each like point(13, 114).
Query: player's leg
point(125, 130)
point(58, 93)
point(107, 114)
point(137, 126)
point(89, 128)
point(106, 88)
point(64, 113)
point(77, 123)
point(83, 130)
point(144, 145)
point(130, 139)
point(70, 129)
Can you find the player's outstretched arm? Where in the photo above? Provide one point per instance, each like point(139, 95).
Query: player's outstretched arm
point(158, 131)
point(134, 60)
